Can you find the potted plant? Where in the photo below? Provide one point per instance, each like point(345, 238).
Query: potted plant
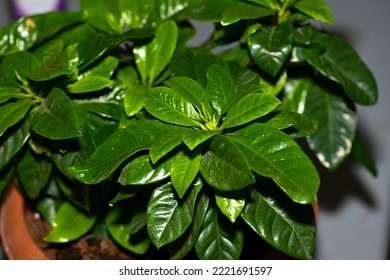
point(114, 126)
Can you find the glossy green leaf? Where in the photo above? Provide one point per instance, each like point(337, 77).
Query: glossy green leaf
point(48, 207)
point(333, 141)
point(273, 154)
point(62, 63)
point(200, 10)
point(119, 223)
point(5, 177)
point(271, 46)
point(341, 63)
point(104, 68)
point(303, 34)
point(220, 87)
point(165, 144)
point(134, 136)
point(33, 173)
point(17, 66)
point(241, 11)
point(152, 58)
point(89, 84)
point(12, 142)
point(11, 93)
point(267, 3)
point(179, 248)
point(12, 112)
point(109, 109)
point(249, 108)
point(92, 45)
point(296, 92)
point(301, 125)
point(30, 30)
point(218, 239)
point(287, 226)
point(246, 80)
point(70, 223)
point(55, 118)
point(168, 217)
point(230, 203)
point(196, 137)
point(165, 104)
point(141, 171)
point(224, 167)
point(184, 171)
point(316, 9)
point(191, 91)
point(192, 65)
point(134, 99)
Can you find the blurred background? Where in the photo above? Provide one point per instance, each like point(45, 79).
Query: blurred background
point(354, 206)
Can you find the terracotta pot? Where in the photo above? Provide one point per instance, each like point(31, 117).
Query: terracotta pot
point(16, 239)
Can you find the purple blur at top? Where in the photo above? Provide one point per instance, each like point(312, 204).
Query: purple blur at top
point(22, 8)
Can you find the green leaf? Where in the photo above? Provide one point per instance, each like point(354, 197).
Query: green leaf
point(5, 177)
point(165, 104)
point(104, 68)
point(271, 46)
point(167, 216)
point(287, 226)
point(220, 87)
point(55, 118)
point(134, 136)
point(141, 171)
point(296, 91)
point(273, 154)
point(17, 66)
point(152, 58)
point(316, 9)
point(218, 239)
point(48, 207)
point(342, 64)
point(303, 34)
point(70, 224)
point(134, 99)
point(119, 224)
point(165, 144)
point(61, 63)
point(8, 92)
point(230, 203)
point(12, 112)
point(334, 138)
point(196, 137)
point(89, 84)
point(110, 109)
point(179, 248)
point(12, 142)
point(191, 91)
point(33, 173)
point(224, 167)
point(249, 108)
point(24, 33)
point(267, 3)
point(192, 65)
point(184, 170)
point(241, 11)
point(301, 125)
point(92, 45)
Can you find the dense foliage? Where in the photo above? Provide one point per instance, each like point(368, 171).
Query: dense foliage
point(115, 126)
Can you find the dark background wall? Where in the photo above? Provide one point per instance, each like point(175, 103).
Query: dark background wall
point(354, 206)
